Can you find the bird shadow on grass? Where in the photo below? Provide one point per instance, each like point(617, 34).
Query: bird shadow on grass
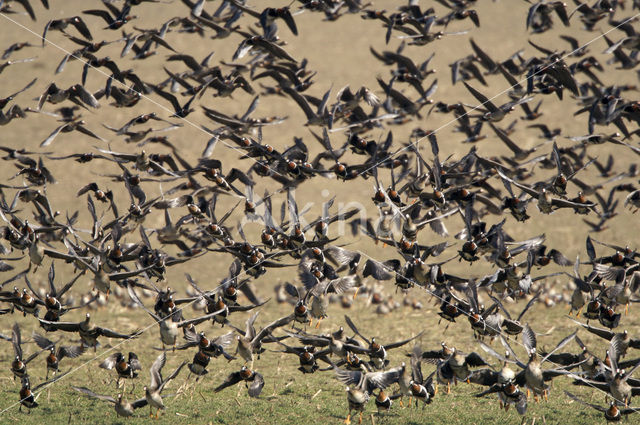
point(338, 416)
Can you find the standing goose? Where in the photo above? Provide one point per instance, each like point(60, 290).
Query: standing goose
point(152, 393)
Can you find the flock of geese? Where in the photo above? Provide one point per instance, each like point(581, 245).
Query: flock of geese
point(417, 196)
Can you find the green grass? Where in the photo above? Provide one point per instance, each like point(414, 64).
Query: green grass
point(289, 396)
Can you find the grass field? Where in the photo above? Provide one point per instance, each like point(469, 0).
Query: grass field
point(339, 52)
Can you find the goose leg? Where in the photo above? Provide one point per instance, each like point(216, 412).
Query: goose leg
point(348, 420)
